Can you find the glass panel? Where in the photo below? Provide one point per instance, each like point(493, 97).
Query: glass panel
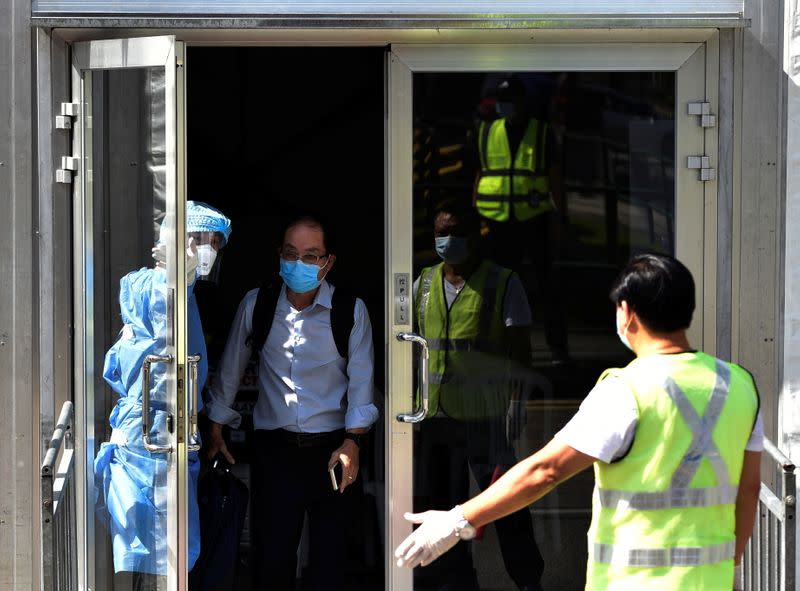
point(535, 188)
point(125, 180)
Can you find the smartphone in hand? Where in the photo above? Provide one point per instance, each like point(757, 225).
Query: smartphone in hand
point(332, 472)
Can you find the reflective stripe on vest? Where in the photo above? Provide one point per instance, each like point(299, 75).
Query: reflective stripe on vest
point(655, 557)
point(679, 494)
point(703, 445)
point(673, 498)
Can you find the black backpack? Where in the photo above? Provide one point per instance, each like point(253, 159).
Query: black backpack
point(343, 305)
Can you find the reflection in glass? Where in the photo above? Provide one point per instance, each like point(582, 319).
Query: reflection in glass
point(531, 190)
point(126, 180)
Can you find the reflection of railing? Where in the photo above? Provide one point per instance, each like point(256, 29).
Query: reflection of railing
point(769, 559)
point(58, 506)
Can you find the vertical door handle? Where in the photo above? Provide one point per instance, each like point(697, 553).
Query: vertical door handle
point(419, 414)
point(194, 434)
point(149, 360)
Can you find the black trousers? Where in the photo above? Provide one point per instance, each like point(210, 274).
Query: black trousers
point(288, 481)
point(445, 450)
point(513, 243)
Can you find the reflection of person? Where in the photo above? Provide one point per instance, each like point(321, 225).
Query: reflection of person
point(133, 479)
point(675, 439)
point(517, 192)
point(313, 407)
point(476, 319)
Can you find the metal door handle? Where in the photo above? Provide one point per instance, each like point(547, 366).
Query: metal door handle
point(419, 414)
point(150, 359)
point(194, 433)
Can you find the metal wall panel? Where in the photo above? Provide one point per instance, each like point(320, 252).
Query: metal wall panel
point(757, 217)
point(397, 8)
point(19, 419)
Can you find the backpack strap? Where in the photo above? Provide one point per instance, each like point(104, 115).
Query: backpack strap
point(343, 307)
point(263, 313)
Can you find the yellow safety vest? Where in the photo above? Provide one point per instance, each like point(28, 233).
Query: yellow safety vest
point(468, 367)
point(521, 183)
point(663, 516)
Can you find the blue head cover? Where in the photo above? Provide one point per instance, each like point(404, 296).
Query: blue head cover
point(201, 217)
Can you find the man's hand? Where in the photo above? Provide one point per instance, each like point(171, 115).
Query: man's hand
point(216, 444)
point(437, 533)
point(347, 455)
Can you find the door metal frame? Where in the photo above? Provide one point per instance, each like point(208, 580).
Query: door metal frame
point(695, 214)
point(144, 52)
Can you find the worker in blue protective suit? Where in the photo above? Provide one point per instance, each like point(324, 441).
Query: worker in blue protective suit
point(133, 480)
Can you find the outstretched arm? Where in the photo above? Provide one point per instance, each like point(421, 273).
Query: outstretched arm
point(523, 484)
point(528, 481)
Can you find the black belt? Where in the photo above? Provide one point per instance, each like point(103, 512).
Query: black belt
point(293, 439)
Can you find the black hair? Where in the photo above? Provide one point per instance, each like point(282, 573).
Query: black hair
point(463, 211)
point(659, 288)
point(312, 220)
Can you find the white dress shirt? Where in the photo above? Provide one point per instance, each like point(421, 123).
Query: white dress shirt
point(304, 384)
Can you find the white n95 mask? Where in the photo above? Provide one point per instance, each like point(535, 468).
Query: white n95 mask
point(206, 255)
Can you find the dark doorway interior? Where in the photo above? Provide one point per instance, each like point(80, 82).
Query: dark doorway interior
point(272, 131)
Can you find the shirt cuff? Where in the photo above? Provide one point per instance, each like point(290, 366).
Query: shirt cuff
point(360, 417)
point(222, 414)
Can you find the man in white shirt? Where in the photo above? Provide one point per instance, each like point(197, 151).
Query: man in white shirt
point(313, 408)
point(675, 439)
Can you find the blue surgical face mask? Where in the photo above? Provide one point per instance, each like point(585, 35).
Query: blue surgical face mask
point(300, 277)
point(504, 109)
point(452, 249)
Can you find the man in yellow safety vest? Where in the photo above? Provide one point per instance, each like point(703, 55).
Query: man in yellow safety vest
point(675, 439)
point(475, 317)
point(518, 193)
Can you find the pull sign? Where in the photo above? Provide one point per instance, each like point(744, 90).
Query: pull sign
point(402, 298)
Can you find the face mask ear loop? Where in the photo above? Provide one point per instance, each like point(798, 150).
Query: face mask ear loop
point(323, 266)
point(627, 326)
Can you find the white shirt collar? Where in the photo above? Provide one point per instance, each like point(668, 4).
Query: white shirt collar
point(324, 296)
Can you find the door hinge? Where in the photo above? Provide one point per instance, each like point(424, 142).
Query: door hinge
point(68, 112)
point(703, 111)
point(703, 164)
point(69, 164)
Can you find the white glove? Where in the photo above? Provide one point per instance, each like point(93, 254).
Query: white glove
point(191, 261)
point(516, 420)
point(160, 257)
point(439, 531)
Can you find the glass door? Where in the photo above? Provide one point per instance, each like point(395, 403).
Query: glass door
point(132, 381)
point(521, 179)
